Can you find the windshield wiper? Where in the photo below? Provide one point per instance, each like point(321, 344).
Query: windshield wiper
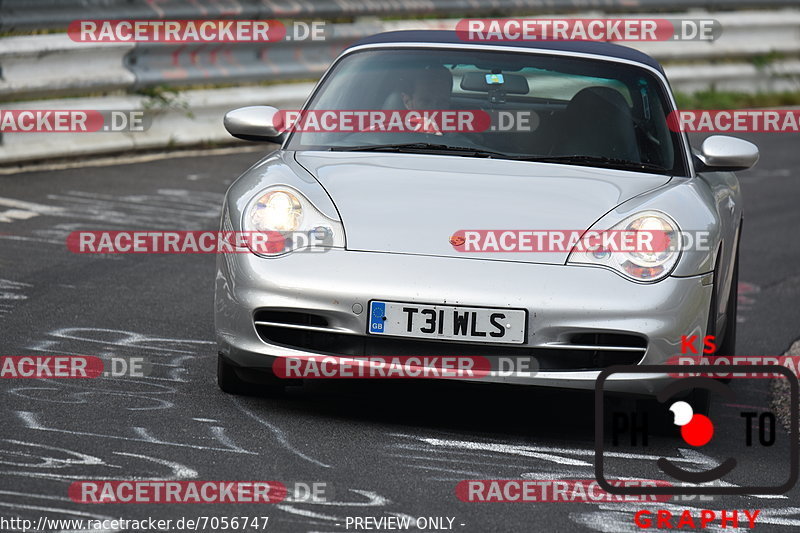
point(424, 147)
point(421, 147)
point(593, 160)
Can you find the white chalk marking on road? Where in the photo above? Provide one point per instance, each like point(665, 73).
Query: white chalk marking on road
point(35, 496)
point(12, 215)
point(279, 434)
point(31, 422)
point(548, 453)
point(499, 463)
point(53, 462)
point(306, 513)
point(468, 473)
point(39, 209)
point(22, 210)
point(127, 339)
point(179, 471)
point(524, 451)
point(225, 440)
point(12, 296)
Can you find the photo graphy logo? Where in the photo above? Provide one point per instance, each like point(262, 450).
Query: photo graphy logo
point(749, 432)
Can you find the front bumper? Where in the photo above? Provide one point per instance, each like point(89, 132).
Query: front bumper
point(560, 300)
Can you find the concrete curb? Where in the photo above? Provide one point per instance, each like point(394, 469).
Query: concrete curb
point(781, 400)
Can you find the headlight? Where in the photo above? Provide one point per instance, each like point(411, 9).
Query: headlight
point(651, 262)
point(291, 222)
point(276, 211)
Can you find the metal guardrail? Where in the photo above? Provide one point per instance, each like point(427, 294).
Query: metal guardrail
point(53, 65)
point(22, 15)
point(155, 64)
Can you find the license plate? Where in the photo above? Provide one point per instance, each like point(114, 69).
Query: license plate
point(474, 324)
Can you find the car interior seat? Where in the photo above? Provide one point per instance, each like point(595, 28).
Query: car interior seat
point(597, 122)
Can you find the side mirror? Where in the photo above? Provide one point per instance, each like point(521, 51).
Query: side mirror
point(722, 153)
point(253, 123)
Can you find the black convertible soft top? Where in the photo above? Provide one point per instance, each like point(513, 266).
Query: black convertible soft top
point(451, 37)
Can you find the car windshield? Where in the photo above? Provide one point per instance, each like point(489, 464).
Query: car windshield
point(493, 104)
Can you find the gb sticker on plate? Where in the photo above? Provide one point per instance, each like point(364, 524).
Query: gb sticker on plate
point(377, 314)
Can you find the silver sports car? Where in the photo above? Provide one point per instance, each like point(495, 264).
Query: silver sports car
point(387, 247)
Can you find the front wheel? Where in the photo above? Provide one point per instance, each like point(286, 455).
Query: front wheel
point(701, 399)
point(727, 346)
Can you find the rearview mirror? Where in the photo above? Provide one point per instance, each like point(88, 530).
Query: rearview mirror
point(719, 153)
point(253, 123)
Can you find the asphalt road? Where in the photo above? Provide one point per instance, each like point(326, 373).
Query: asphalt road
point(382, 449)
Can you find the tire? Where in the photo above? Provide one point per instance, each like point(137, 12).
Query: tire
point(700, 399)
point(728, 344)
point(229, 379)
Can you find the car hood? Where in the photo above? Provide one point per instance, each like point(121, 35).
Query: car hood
point(414, 203)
